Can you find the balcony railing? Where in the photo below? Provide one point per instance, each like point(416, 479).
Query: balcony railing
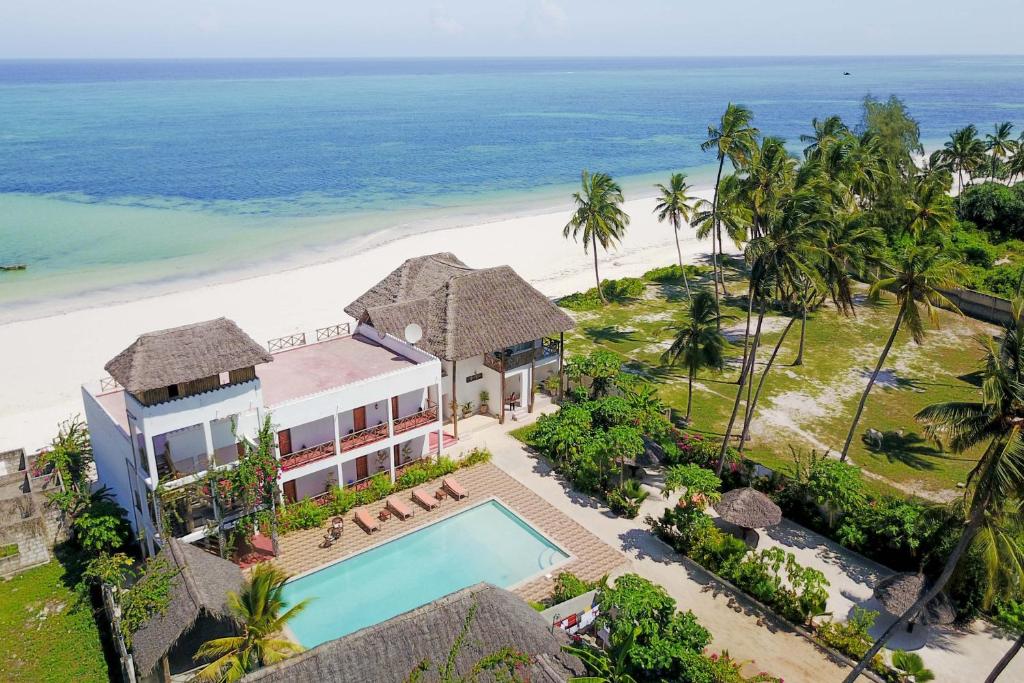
point(287, 342)
point(363, 437)
point(418, 419)
point(307, 455)
point(501, 361)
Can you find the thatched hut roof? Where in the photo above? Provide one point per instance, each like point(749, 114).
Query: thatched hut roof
point(463, 311)
point(389, 651)
point(899, 592)
point(201, 586)
point(748, 508)
point(184, 354)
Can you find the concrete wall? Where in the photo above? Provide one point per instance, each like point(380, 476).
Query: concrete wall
point(991, 309)
point(316, 483)
point(313, 433)
point(112, 453)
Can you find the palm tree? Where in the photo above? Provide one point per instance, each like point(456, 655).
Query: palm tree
point(911, 667)
point(995, 482)
point(1016, 165)
point(677, 207)
point(598, 217)
point(916, 279)
point(826, 132)
point(734, 140)
point(999, 144)
point(930, 208)
point(699, 343)
point(258, 611)
point(733, 213)
point(963, 154)
point(606, 667)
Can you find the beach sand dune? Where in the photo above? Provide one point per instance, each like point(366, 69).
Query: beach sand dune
point(44, 361)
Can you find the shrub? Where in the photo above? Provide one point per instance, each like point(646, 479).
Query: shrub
point(304, 514)
point(626, 499)
point(569, 586)
point(1003, 280)
point(413, 476)
point(836, 486)
point(973, 245)
point(674, 274)
point(994, 208)
point(614, 290)
point(475, 457)
point(342, 500)
point(852, 637)
point(102, 525)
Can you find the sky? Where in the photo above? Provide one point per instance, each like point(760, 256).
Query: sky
point(467, 28)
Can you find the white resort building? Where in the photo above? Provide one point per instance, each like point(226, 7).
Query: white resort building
point(498, 338)
point(344, 406)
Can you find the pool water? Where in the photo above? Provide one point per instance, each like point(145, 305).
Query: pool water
point(485, 543)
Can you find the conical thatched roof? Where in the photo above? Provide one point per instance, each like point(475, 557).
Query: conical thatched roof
point(748, 508)
point(463, 311)
point(184, 354)
point(389, 651)
point(202, 585)
point(899, 592)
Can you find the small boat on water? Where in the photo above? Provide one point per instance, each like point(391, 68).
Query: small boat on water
point(14, 266)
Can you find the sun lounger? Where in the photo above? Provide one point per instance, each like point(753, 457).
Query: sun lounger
point(424, 499)
point(400, 509)
point(453, 488)
point(368, 523)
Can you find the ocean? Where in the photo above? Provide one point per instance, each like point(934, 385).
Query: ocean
point(132, 174)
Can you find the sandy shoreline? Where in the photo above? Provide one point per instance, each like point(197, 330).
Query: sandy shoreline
point(44, 361)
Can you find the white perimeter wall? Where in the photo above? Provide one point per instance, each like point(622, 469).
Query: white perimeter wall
point(112, 452)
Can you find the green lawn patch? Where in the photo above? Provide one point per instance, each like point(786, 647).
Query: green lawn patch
point(810, 405)
point(48, 634)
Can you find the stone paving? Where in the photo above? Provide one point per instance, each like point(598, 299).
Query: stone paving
point(591, 557)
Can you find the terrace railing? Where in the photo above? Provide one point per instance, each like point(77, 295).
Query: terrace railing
point(332, 331)
point(287, 342)
point(363, 437)
point(417, 419)
point(500, 361)
point(307, 455)
point(109, 384)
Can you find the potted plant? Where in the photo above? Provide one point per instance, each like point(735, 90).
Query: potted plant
point(484, 397)
point(467, 409)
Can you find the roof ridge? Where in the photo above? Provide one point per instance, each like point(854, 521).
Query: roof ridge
point(449, 333)
point(191, 587)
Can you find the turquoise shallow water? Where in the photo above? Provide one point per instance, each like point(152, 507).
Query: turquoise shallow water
point(485, 543)
point(116, 173)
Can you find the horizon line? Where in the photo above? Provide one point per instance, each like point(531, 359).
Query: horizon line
point(503, 57)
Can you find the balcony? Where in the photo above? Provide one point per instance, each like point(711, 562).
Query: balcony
point(355, 440)
point(307, 455)
point(410, 422)
point(502, 361)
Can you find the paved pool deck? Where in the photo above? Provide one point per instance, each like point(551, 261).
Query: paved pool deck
point(590, 559)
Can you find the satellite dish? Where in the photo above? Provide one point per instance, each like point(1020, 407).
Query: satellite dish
point(413, 333)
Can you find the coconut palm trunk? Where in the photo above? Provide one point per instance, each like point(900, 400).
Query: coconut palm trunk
point(803, 330)
point(970, 531)
point(689, 395)
point(597, 276)
point(715, 232)
point(744, 373)
point(1005, 661)
point(871, 383)
point(682, 268)
point(751, 405)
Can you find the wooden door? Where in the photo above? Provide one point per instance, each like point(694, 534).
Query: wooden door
point(394, 408)
point(398, 455)
point(289, 491)
point(361, 470)
point(284, 441)
point(359, 419)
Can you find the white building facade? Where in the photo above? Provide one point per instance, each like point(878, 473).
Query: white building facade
point(344, 408)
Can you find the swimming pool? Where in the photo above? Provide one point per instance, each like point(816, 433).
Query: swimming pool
point(487, 542)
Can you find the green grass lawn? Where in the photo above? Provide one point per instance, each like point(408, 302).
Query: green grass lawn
point(811, 405)
point(47, 635)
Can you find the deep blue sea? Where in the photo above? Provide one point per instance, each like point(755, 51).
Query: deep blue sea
point(121, 172)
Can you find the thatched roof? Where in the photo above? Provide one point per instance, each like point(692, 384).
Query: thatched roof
point(899, 592)
point(202, 585)
point(463, 311)
point(389, 651)
point(748, 508)
point(184, 354)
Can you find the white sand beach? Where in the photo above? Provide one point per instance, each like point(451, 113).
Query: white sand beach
point(44, 361)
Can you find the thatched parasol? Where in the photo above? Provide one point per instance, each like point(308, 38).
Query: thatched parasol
point(748, 508)
point(899, 592)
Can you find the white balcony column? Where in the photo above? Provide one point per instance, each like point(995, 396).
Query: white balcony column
point(154, 473)
point(440, 420)
point(208, 438)
point(337, 445)
point(391, 418)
